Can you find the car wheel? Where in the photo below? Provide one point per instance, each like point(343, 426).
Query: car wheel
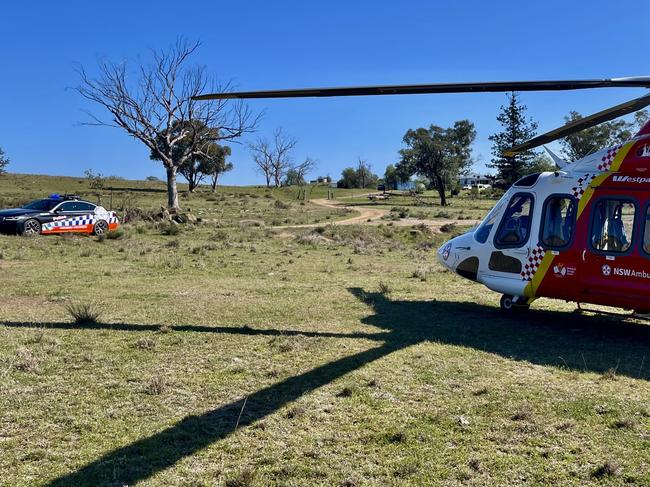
point(31, 227)
point(100, 228)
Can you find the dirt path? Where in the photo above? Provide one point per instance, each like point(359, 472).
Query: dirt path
point(373, 216)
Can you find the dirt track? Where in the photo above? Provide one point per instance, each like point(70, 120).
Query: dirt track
point(373, 216)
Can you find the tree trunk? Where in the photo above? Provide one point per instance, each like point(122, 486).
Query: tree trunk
point(172, 190)
point(215, 176)
point(441, 190)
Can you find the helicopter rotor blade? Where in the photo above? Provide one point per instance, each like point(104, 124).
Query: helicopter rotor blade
point(581, 124)
point(480, 87)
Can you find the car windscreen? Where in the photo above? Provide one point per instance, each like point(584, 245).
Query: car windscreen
point(41, 205)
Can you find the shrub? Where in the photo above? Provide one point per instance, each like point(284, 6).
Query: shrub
point(607, 469)
point(84, 313)
point(448, 227)
point(173, 244)
point(156, 386)
point(281, 205)
point(420, 273)
point(245, 478)
point(384, 288)
point(25, 361)
point(170, 229)
point(146, 343)
point(115, 234)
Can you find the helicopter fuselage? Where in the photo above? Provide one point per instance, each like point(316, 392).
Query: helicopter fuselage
point(579, 234)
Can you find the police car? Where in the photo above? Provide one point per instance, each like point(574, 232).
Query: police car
point(58, 214)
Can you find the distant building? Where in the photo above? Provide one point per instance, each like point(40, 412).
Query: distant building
point(474, 179)
point(321, 180)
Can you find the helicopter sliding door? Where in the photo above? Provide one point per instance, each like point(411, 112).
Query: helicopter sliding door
point(557, 235)
point(615, 267)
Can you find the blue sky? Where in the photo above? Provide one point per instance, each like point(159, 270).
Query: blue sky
point(264, 45)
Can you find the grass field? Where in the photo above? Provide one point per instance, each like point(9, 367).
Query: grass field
point(236, 354)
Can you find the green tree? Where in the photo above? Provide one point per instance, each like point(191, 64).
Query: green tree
point(439, 154)
point(516, 129)
point(348, 178)
point(193, 166)
point(365, 177)
point(95, 181)
point(581, 144)
point(4, 161)
point(293, 178)
point(214, 163)
point(541, 163)
point(391, 178)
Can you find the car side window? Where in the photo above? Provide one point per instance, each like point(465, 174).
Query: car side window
point(76, 206)
point(613, 225)
point(514, 229)
point(68, 206)
point(83, 206)
point(558, 222)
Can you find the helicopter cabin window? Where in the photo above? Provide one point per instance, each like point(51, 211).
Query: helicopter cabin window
point(515, 226)
point(558, 222)
point(613, 225)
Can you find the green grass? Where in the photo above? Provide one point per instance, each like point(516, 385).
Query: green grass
point(244, 355)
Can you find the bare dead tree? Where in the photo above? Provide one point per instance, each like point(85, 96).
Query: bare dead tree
point(273, 159)
point(152, 104)
point(282, 155)
point(305, 168)
point(364, 172)
point(263, 158)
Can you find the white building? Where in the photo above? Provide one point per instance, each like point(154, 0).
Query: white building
point(474, 179)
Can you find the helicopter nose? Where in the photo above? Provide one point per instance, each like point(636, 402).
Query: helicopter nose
point(456, 255)
point(444, 254)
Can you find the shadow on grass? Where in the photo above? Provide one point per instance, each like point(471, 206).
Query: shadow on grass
point(583, 343)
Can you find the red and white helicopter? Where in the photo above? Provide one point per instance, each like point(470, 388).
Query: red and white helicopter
point(581, 233)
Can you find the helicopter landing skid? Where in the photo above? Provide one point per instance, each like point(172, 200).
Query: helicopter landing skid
point(634, 314)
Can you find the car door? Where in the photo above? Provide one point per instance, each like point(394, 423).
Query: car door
point(73, 216)
point(613, 270)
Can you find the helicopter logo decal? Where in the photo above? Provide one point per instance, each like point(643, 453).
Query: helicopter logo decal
point(607, 270)
point(643, 151)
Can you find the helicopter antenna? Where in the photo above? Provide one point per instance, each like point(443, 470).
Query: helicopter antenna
point(557, 160)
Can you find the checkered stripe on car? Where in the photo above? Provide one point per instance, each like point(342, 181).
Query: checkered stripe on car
point(76, 221)
point(534, 261)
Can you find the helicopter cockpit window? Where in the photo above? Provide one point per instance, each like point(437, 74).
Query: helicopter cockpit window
point(515, 226)
point(483, 231)
point(613, 225)
point(558, 222)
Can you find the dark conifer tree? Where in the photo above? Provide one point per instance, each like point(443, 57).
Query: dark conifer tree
point(516, 129)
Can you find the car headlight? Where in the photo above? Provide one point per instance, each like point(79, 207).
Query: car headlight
point(12, 218)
